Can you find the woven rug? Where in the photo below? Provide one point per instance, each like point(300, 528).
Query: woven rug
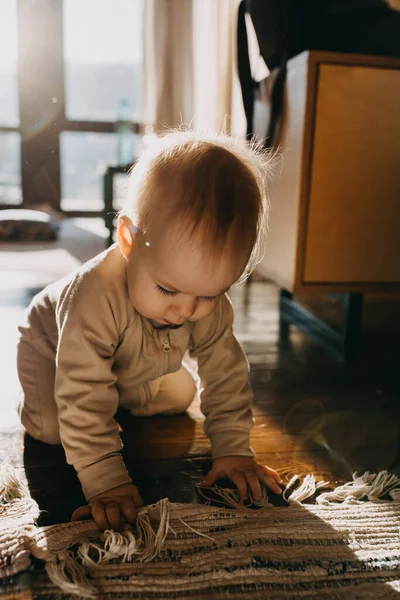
point(345, 544)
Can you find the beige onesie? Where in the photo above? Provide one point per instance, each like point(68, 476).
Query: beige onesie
point(84, 351)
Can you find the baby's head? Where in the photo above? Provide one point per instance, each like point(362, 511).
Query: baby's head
point(191, 224)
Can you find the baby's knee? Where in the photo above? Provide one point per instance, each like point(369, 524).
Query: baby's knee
point(179, 390)
point(179, 405)
point(49, 434)
point(37, 408)
point(186, 392)
point(172, 395)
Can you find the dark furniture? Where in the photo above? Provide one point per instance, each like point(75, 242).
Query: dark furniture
point(335, 206)
point(110, 210)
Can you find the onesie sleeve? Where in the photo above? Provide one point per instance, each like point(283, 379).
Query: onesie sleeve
point(85, 385)
point(226, 396)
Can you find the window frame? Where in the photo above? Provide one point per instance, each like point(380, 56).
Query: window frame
point(40, 146)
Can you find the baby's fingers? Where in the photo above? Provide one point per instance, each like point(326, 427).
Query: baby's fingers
point(268, 481)
point(254, 485)
point(99, 515)
point(128, 509)
point(137, 499)
point(241, 483)
point(81, 513)
point(271, 472)
point(212, 477)
point(113, 515)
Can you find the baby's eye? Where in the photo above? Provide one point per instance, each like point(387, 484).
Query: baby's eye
point(165, 292)
point(210, 298)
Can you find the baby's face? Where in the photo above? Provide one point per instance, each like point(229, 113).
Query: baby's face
point(171, 282)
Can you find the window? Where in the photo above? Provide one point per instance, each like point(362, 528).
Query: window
point(84, 157)
point(102, 57)
point(103, 67)
point(64, 71)
point(10, 147)
point(10, 168)
point(9, 114)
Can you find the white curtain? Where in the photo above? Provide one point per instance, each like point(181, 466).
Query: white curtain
point(168, 71)
point(190, 65)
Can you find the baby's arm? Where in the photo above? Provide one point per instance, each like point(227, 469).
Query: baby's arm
point(226, 402)
point(85, 389)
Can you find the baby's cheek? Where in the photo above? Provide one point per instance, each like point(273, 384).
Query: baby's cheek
point(203, 311)
point(142, 298)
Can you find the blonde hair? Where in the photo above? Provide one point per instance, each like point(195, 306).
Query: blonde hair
point(215, 185)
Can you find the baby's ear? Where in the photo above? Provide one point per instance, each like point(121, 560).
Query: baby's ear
point(126, 235)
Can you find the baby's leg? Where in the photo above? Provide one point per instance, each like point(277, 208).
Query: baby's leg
point(175, 393)
point(38, 410)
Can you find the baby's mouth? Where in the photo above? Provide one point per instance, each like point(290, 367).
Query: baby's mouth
point(166, 325)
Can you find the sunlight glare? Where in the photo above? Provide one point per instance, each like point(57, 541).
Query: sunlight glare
point(8, 36)
point(102, 32)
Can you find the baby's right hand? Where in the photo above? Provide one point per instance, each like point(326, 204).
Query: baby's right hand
point(109, 509)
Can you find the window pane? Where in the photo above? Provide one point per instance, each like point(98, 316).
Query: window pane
point(84, 158)
point(103, 57)
point(121, 183)
point(9, 113)
point(10, 168)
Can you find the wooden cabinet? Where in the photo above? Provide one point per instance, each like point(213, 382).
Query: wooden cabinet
point(335, 208)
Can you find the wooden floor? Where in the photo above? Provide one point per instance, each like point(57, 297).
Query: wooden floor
point(310, 415)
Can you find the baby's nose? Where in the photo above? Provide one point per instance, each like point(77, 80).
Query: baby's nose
point(186, 309)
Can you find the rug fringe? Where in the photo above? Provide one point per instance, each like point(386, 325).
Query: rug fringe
point(150, 542)
point(67, 574)
point(11, 486)
point(230, 497)
point(15, 492)
point(116, 545)
point(305, 491)
point(369, 486)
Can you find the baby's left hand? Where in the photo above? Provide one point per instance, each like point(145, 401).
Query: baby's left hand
point(246, 474)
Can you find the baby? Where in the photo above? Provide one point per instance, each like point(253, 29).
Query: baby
point(115, 332)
